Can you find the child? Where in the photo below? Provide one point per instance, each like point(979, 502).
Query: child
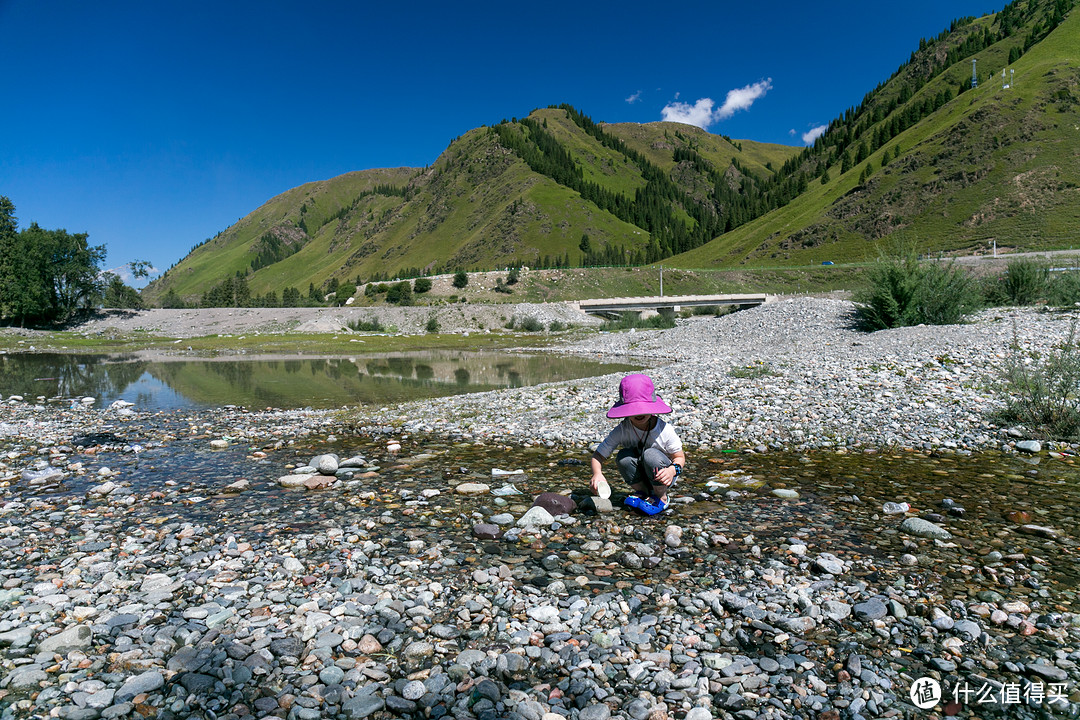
point(651, 457)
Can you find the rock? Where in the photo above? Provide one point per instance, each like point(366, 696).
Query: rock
point(362, 706)
point(786, 493)
point(237, 487)
point(596, 505)
point(293, 481)
point(921, 528)
point(1039, 531)
point(1048, 672)
point(325, 464)
point(536, 517)
point(1029, 446)
point(219, 444)
point(872, 609)
point(78, 637)
point(828, 563)
point(555, 503)
point(967, 629)
point(487, 531)
point(146, 682)
point(471, 488)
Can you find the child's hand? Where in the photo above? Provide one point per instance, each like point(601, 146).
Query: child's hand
point(665, 476)
point(595, 480)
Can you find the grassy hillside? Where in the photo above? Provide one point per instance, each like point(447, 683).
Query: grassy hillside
point(924, 160)
point(990, 165)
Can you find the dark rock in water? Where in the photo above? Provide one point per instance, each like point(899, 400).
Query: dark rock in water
point(872, 609)
point(92, 439)
point(287, 646)
point(933, 517)
point(1038, 531)
point(555, 503)
point(487, 531)
point(570, 461)
point(957, 511)
point(1018, 516)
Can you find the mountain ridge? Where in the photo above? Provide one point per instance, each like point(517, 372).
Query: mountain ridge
point(922, 160)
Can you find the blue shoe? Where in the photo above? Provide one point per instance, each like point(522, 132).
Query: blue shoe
point(635, 502)
point(654, 506)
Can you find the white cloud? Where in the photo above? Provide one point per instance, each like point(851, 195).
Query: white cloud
point(742, 98)
point(813, 134)
point(634, 98)
point(702, 113)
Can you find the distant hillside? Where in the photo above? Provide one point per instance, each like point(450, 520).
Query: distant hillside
point(928, 161)
point(923, 159)
point(533, 191)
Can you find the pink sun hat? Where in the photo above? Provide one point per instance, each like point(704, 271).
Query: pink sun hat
point(637, 396)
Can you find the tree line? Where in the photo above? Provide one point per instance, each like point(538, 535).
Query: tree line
point(49, 276)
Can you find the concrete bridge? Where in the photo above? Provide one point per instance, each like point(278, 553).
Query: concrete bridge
point(608, 306)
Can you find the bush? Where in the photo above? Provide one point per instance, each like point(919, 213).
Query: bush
point(500, 288)
point(512, 276)
point(556, 326)
point(421, 285)
point(1024, 282)
point(369, 325)
point(344, 292)
point(400, 293)
point(1064, 289)
point(432, 324)
point(1043, 393)
point(531, 324)
point(904, 291)
point(461, 279)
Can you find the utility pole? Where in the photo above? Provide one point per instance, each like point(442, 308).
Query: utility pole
point(661, 281)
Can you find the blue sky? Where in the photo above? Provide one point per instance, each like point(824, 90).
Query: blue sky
point(154, 125)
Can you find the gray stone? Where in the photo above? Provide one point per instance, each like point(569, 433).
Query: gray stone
point(362, 706)
point(25, 677)
point(536, 517)
point(968, 629)
point(924, 529)
point(1029, 446)
point(596, 711)
point(146, 682)
point(1048, 672)
point(78, 637)
point(872, 609)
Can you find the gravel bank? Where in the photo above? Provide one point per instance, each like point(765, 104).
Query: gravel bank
point(794, 373)
point(395, 592)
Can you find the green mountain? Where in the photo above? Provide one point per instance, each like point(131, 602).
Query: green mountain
point(924, 158)
point(927, 161)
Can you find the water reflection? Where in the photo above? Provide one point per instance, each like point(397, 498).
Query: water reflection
point(283, 382)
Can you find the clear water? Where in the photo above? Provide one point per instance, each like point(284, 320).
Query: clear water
point(284, 382)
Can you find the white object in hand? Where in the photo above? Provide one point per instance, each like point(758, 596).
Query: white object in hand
point(603, 490)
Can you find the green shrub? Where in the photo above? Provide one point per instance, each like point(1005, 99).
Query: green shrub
point(500, 288)
point(369, 325)
point(753, 371)
point(511, 324)
point(461, 279)
point(531, 324)
point(556, 326)
point(400, 293)
point(512, 276)
point(905, 291)
point(344, 292)
point(1043, 393)
point(421, 285)
point(432, 325)
point(1024, 282)
point(1064, 289)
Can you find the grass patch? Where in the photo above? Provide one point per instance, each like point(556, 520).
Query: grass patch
point(1042, 392)
point(753, 371)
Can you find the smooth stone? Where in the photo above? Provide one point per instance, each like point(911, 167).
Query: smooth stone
point(487, 531)
point(1029, 446)
point(535, 517)
point(146, 682)
point(293, 481)
point(470, 488)
point(921, 528)
point(872, 609)
point(555, 503)
point(1038, 531)
point(79, 637)
point(785, 493)
point(597, 505)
